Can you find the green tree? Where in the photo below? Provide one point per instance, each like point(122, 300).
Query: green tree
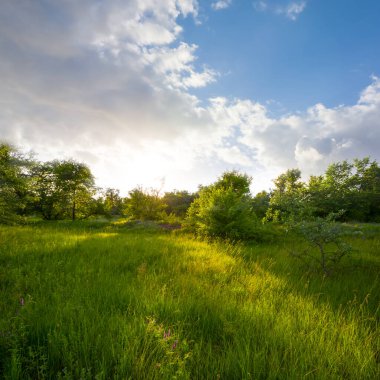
point(178, 202)
point(14, 177)
point(144, 205)
point(112, 202)
point(287, 197)
point(76, 185)
point(224, 209)
point(366, 182)
point(260, 204)
point(338, 187)
point(354, 187)
point(326, 245)
point(63, 189)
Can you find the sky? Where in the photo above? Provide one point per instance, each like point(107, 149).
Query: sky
point(169, 94)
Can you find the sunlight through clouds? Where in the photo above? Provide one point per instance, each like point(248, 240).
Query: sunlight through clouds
point(117, 85)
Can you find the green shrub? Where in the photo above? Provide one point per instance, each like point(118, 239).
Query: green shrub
point(325, 240)
point(224, 210)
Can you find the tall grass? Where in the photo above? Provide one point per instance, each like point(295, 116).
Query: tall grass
point(99, 301)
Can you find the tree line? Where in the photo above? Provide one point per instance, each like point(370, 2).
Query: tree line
point(66, 189)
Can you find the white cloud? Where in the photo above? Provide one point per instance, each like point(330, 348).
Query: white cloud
point(108, 83)
point(309, 140)
point(294, 9)
point(291, 9)
point(105, 69)
point(221, 4)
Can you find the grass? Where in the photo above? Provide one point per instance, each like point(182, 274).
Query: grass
point(102, 301)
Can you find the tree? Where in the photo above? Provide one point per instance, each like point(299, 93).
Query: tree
point(178, 202)
point(338, 187)
point(260, 204)
point(354, 187)
point(286, 197)
point(224, 209)
point(63, 189)
point(14, 177)
point(325, 239)
point(366, 182)
point(113, 204)
point(76, 184)
point(144, 205)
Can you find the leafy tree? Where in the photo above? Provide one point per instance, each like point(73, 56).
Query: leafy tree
point(317, 196)
point(76, 185)
point(48, 200)
point(113, 203)
point(239, 183)
point(366, 199)
point(144, 205)
point(325, 239)
point(224, 209)
point(14, 177)
point(178, 202)
point(260, 204)
point(286, 197)
point(354, 187)
point(338, 187)
point(63, 189)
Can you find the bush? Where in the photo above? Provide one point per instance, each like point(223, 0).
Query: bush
point(326, 246)
point(144, 205)
point(224, 210)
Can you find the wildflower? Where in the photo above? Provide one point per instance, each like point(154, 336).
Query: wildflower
point(167, 334)
point(22, 301)
point(174, 346)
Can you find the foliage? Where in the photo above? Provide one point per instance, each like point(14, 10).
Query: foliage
point(224, 209)
point(286, 198)
point(13, 184)
point(63, 189)
point(178, 202)
point(354, 187)
point(110, 203)
point(144, 205)
point(260, 204)
point(173, 351)
point(325, 239)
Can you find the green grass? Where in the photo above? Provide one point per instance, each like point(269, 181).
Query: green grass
point(99, 300)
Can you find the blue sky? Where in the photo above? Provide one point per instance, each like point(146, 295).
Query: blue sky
point(327, 54)
point(171, 93)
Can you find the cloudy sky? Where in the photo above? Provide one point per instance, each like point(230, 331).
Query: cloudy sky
point(170, 93)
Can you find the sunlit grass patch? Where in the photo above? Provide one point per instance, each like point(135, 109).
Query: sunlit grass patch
point(99, 303)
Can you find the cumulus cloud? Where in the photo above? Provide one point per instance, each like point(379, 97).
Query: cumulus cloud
point(221, 4)
point(309, 140)
point(97, 71)
point(108, 83)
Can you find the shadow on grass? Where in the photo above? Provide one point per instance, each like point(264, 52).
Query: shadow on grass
point(81, 284)
point(355, 281)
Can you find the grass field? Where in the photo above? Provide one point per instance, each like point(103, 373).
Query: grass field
point(102, 301)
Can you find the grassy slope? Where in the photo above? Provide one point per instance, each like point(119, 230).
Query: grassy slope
point(99, 299)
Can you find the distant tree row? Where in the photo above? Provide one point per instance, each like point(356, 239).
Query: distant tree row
point(352, 187)
point(65, 189)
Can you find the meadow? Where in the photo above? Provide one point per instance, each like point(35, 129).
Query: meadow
point(101, 300)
